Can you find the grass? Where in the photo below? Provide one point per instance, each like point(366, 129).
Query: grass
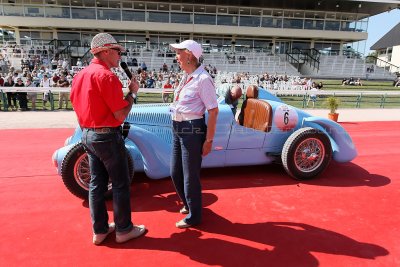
point(355, 101)
point(346, 102)
point(367, 85)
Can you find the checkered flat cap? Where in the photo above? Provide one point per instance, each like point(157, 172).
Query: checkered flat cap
point(104, 41)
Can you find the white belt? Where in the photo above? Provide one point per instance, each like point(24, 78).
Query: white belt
point(185, 117)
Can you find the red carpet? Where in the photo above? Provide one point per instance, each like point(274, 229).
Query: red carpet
point(254, 216)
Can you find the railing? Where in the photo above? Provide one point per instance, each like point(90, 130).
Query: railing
point(383, 64)
point(87, 55)
point(303, 56)
point(56, 43)
point(53, 93)
point(313, 56)
point(295, 56)
point(350, 98)
point(67, 50)
point(299, 98)
point(345, 52)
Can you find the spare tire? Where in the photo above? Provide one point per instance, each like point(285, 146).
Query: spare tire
point(75, 171)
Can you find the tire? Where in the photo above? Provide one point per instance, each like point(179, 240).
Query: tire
point(75, 171)
point(306, 153)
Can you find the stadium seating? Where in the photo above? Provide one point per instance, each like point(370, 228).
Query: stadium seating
point(342, 67)
point(336, 67)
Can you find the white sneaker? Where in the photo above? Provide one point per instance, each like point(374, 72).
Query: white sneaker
point(137, 231)
point(184, 210)
point(99, 238)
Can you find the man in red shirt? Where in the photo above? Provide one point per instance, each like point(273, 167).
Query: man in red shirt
point(101, 108)
point(167, 91)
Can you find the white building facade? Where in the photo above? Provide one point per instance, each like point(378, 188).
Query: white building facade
point(271, 26)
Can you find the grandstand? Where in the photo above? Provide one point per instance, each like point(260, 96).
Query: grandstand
point(309, 38)
point(342, 66)
point(252, 62)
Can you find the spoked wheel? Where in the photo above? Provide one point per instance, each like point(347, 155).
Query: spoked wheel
point(306, 153)
point(82, 172)
point(76, 173)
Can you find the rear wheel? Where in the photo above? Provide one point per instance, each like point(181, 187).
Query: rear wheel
point(76, 173)
point(306, 153)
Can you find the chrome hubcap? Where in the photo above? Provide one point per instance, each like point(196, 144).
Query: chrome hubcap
point(309, 155)
point(82, 171)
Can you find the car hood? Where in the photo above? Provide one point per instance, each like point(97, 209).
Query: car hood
point(150, 114)
point(153, 118)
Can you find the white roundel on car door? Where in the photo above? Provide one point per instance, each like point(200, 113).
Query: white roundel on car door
point(285, 118)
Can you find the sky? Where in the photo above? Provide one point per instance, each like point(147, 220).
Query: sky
point(379, 25)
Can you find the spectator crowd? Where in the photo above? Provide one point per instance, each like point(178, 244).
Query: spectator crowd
point(42, 67)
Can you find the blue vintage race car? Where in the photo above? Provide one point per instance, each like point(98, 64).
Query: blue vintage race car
point(269, 131)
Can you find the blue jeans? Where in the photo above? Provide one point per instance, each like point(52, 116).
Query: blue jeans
point(187, 145)
point(108, 159)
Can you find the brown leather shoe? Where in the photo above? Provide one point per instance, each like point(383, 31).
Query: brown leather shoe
point(182, 224)
point(184, 210)
point(99, 238)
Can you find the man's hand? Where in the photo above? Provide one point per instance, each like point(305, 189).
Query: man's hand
point(133, 85)
point(121, 114)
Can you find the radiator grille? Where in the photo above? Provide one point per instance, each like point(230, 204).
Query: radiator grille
point(154, 118)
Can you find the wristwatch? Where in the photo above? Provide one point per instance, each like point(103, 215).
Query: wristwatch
point(133, 95)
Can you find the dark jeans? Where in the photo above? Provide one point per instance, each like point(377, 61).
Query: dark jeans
point(23, 100)
point(108, 159)
point(12, 97)
point(188, 139)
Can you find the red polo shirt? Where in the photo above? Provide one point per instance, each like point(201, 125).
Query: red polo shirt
point(96, 94)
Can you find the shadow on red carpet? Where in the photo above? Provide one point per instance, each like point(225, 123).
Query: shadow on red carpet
point(253, 216)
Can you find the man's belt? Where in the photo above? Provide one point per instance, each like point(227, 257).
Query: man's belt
point(185, 116)
point(105, 129)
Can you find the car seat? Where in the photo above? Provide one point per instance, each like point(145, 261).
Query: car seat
point(255, 113)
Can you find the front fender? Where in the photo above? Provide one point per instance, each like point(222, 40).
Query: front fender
point(343, 147)
point(156, 153)
point(58, 156)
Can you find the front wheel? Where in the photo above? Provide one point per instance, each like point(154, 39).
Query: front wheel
point(306, 153)
point(75, 172)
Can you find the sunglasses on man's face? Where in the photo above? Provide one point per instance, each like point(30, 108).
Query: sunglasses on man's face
point(118, 51)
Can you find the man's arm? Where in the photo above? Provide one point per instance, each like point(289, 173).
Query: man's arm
point(211, 127)
point(121, 114)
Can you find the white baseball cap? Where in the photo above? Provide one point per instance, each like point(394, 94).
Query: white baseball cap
point(104, 41)
point(190, 45)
